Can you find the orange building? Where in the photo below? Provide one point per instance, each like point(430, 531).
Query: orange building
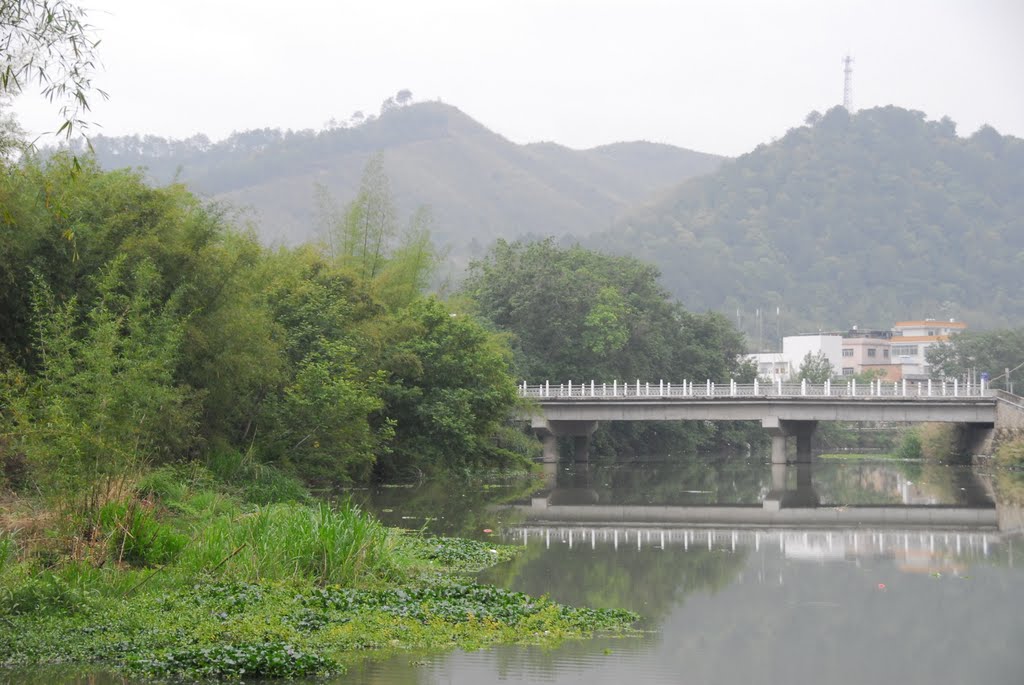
point(911, 339)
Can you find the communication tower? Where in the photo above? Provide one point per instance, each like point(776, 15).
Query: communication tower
point(848, 83)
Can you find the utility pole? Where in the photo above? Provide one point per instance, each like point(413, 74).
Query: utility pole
point(848, 83)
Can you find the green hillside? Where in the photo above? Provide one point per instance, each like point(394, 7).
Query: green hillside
point(479, 185)
point(862, 219)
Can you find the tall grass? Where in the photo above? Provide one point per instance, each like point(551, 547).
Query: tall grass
point(7, 550)
point(323, 544)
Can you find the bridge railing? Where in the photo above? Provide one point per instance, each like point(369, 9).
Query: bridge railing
point(709, 389)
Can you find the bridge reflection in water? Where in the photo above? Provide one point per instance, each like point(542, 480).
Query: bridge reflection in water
point(788, 521)
point(932, 551)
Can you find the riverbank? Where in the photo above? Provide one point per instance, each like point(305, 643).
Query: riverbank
point(185, 580)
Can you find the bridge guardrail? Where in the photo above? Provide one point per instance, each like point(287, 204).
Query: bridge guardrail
point(708, 389)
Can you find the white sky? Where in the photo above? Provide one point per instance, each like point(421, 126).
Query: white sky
point(714, 75)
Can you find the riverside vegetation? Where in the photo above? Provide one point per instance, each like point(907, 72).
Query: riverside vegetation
point(170, 389)
point(193, 581)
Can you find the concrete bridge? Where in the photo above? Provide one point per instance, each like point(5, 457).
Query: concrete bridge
point(784, 410)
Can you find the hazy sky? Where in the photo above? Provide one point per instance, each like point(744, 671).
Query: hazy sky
point(714, 75)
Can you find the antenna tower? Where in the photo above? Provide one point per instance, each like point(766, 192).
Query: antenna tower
point(848, 83)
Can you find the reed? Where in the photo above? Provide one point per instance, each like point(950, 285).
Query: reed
point(323, 544)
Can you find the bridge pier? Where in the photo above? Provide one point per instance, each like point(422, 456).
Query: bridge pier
point(781, 496)
point(550, 431)
point(780, 430)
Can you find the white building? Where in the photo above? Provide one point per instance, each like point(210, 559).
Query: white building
point(797, 347)
point(785, 365)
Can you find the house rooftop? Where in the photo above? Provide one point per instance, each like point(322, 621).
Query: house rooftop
point(923, 323)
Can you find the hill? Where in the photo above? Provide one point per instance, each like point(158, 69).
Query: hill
point(862, 219)
point(479, 185)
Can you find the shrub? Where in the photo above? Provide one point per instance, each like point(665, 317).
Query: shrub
point(910, 446)
point(256, 483)
point(136, 537)
point(1010, 453)
point(43, 593)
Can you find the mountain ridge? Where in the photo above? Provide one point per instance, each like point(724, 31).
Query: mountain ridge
point(480, 185)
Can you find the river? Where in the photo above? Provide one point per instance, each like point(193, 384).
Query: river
point(726, 602)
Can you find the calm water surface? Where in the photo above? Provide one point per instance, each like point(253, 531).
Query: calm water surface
point(819, 602)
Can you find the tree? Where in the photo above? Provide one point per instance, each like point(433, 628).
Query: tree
point(815, 368)
point(49, 43)
point(970, 354)
point(578, 315)
point(448, 391)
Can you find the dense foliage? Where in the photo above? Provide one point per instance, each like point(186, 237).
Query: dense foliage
point(578, 315)
point(281, 590)
point(862, 219)
point(138, 328)
point(970, 354)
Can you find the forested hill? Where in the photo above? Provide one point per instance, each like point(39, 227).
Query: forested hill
point(479, 185)
point(862, 219)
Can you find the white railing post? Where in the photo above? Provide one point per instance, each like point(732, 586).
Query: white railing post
point(828, 387)
point(661, 388)
point(904, 387)
point(638, 387)
point(561, 389)
point(547, 389)
point(943, 387)
point(647, 389)
point(604, 390)
point(712, 389)
point(668, 388)
point(803, 386)
point(981, 388)
point(707, 391)
point(853, 387)
point(756, 391)
point(732, 388)
point(956, 387)
point(929, 387)
point(779, 379)
point(570, 388)
point(615, 388)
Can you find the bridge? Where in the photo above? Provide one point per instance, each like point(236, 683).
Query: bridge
point(784, 410)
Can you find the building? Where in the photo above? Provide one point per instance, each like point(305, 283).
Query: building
point(864, 350)
point(796, 347)
point(910, 342)
point(891, 354)
point(785, 365)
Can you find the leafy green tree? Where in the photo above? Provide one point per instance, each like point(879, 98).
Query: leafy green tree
point(369, 222)
point(815, 368)
point(448, 391)
point(320, 426)
point(103, 401)
point(49, 43)
point(971, 353)
point(574, 314)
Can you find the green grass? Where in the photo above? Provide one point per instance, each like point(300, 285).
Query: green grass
point(319, 544)
point(284, 589)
